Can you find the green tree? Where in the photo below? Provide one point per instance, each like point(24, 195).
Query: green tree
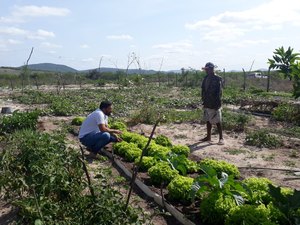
point(287, 63)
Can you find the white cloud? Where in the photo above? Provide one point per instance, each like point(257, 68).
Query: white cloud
point(247, 43)
point(175, 47)
point(12, 31)
point(13, 42)
point(10, 20)
point(41, 35)
point(39, 11)
point(84, 46)
point(45, 33)
point(50, 45)
point(272, 15)
point(119, 37)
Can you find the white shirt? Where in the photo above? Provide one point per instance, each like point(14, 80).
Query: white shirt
point(91, 123)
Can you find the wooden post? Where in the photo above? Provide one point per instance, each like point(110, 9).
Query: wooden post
point(244, 85)
point(268, 83)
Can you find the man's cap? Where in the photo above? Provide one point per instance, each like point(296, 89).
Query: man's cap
point(209, 65)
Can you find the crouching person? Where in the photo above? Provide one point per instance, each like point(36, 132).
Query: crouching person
point(94, 132)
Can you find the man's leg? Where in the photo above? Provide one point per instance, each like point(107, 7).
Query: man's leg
point(102, 139)
point(221, 140)
point(208, 131)
point(219, 126)
point(96, 141)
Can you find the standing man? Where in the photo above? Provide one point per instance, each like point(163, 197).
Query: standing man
point(211, 98)
point(94, 132)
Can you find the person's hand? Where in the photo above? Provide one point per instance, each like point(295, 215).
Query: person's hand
point(119, 139)
point(117, 132)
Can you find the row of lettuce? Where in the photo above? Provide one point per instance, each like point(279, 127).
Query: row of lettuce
point(214, 186)
point(44, 179)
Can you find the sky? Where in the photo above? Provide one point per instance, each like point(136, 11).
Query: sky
point(160, 34)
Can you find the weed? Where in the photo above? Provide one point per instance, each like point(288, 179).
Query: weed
point(294, 154)
point(289, 163)
point(262, 139)
point(269, 157)
point(235, 151)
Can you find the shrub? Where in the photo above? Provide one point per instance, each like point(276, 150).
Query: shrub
point(49, 186)
point(163, 140)
point(158, 151)
point(118, 125)
point(78, 121)
point(18, 121)
point(249, 214)
point(235, 121)
point(179, 188)
point(215, 207)
point(162, 173)
point(260, 189)
point(221, 166)
point(146, 163)
point(287, 112)
point(181, 150)
point(261, 139)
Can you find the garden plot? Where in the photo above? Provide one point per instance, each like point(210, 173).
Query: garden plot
point(185, 129)
point(235, 151)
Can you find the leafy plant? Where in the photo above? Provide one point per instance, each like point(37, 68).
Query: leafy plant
point(138, 139)
point(223, 193)
point(163, 140)
point(146, 163)
point(118, 125)
point(221, 166)
point(78, 121)
point(260, 189)
point(287, 63)
point(130, 151)
point(249, 214)
point(179, 189)
point(287, 112)
point(215, 207)
point(162, 173)
point(158, 151)
point(261, 139)
point(182, 163)
point(235, 121)
point(49, 186)
point(181, 150)
point(18, 121)
point(288, 204)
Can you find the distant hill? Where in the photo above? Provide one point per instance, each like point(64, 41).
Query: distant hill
point(130, 71)
point(51, 67)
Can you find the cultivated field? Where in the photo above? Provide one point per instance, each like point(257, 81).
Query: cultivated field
point(44, 182)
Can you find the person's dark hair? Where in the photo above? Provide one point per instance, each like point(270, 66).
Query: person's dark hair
point(105, 104)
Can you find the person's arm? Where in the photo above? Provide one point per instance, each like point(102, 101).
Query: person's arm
point(202, 90)
point(219, 92)
point(104, 128)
